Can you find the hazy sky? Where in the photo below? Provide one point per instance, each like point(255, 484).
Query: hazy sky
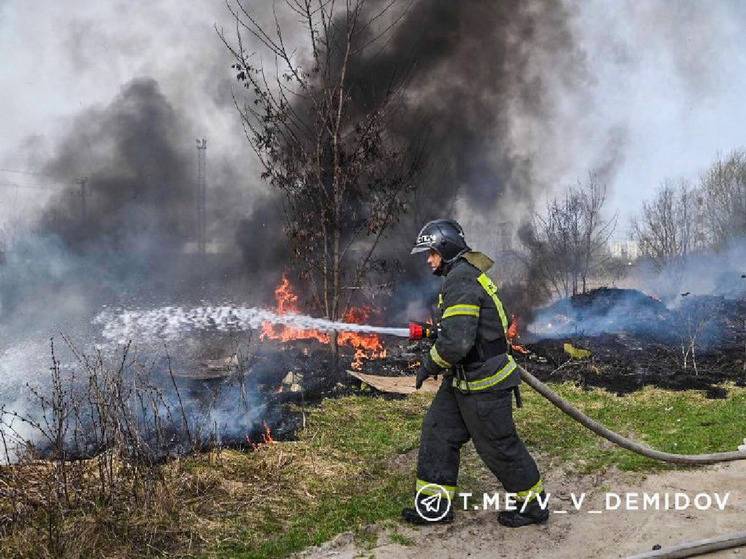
point(663, 95)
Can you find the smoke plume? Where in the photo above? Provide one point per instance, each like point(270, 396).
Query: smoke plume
point(138, 194)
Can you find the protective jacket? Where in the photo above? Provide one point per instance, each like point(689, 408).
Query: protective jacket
point(472, 325)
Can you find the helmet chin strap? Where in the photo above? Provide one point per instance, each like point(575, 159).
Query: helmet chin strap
point(445, 265)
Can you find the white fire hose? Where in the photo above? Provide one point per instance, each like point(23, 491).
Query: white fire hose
point(696, 547)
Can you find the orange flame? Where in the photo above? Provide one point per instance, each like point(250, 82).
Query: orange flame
point(266, 437)
point(287, 303)
point(512, 334)
point(367, 346)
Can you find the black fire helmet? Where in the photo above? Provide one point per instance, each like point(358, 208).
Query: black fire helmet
point(445, 236)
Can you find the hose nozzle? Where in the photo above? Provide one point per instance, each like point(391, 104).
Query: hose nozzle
point(421, 331)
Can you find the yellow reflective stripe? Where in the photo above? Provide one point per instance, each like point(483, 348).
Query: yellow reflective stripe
point(435, 488)
point(438, 359)
point(489, 286)
point(486, 382)
point(461, 310)
point(532, 493)
point(440, 300)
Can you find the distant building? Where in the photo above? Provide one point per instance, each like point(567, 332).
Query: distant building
point(627, 249)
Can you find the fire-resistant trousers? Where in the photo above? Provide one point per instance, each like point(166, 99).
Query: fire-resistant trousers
point(486, 417)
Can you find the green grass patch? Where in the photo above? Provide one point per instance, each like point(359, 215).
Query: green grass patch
point(401, 539)
point(344, 458)
point(678, 422)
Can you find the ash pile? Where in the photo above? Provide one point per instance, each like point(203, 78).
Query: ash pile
point(623, 339)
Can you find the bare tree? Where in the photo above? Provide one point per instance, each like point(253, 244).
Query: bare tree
point(322, 136)
point(666, 230)
point(567, 242)
point(723, 190)
point(596, 231)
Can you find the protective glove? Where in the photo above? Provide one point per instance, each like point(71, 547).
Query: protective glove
point(422, 374)
point(427, 369)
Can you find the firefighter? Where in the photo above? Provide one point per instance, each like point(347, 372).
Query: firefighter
point(475, 398)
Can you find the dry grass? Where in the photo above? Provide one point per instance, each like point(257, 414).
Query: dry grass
point(220, 503)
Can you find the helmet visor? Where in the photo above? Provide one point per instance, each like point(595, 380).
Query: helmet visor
point(420, 248)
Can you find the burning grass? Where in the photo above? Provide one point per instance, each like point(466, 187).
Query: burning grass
point(366, 346)
point(353, 465)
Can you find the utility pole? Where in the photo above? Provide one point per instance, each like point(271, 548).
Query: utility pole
point(82, 182)
point(201, 196)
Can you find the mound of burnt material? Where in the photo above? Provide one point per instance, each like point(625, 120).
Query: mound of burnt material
point(601, 311)
point(402, 358)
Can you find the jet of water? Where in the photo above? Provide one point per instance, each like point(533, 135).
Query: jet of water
point(170, 323)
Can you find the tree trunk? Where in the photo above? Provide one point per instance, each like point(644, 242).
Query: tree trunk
point(335, 297)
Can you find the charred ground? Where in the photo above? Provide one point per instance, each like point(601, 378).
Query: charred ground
point(635, 341)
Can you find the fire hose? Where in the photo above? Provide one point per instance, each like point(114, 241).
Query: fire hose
point(696, 547)
point(685, 549)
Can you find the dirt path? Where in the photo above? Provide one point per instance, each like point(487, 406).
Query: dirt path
point(575, 534)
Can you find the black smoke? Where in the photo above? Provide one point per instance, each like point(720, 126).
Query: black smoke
point(474, 70)
point(121, 230)
point(135, 219)
point(483, 80)
point(139, 178)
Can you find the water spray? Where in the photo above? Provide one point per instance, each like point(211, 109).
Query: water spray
point(170, 323)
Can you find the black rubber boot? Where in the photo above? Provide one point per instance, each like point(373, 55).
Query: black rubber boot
point(413, 517)
point(533, 514)
point(443, 514)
